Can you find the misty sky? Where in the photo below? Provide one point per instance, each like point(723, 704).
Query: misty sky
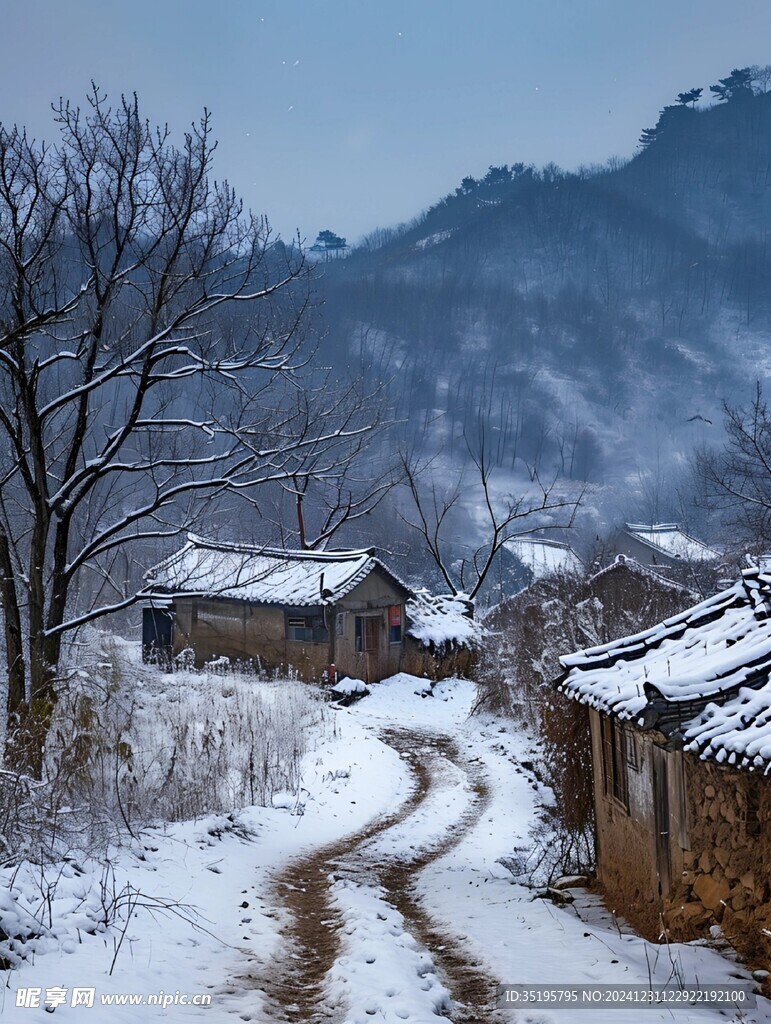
point(349, 114)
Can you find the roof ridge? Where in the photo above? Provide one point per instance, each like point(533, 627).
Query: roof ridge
point(634, 564)
point(302, 554)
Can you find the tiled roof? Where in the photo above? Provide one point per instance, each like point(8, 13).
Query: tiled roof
point(544, 557)
point(622, 562)
point(668, 539)
point(701, 677)
point(242, 572)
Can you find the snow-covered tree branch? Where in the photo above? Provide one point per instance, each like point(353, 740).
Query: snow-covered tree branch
point(152, 359)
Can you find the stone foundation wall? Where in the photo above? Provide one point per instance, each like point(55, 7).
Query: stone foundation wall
point(726, 877)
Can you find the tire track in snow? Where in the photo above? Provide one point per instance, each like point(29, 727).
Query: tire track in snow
point(294, 987)
point(473, 989)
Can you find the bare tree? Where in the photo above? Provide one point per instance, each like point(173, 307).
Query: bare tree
point(737, 478)
point(150, 363)
point(505, 516)
point(326, 495)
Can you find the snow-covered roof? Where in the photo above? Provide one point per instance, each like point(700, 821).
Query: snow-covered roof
point(701, 677)
point(243, 572)
point(668, 539)
point(624, 562)
point(544, 557)
point(442, 620)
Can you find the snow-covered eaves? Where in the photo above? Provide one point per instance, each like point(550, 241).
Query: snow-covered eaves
point(240, 572)
point(668, 539)
point(701, 677)
point(544, 557)
point(442, 621)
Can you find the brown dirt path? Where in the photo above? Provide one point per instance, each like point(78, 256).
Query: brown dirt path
point(293, 987)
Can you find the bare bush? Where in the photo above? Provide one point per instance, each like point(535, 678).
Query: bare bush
point(129, 747)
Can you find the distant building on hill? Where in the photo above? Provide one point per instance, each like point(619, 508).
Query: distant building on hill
point(667, 549)
point(544, 557)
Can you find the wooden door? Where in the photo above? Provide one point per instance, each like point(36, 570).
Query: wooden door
point(661, 820)
point(373, 629)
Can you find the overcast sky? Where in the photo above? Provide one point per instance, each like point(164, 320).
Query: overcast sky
point(352, 114)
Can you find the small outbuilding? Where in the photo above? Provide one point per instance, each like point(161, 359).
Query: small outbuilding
point(680, 718)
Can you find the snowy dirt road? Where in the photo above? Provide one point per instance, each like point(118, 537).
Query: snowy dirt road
point(296, 987)
point(413, 917)
point(390, 886)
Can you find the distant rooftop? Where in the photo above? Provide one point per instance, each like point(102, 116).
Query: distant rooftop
point(670, 540)
point(544, 557)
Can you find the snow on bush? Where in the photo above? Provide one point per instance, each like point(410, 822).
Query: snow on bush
point(130, 746)
point(443, 621)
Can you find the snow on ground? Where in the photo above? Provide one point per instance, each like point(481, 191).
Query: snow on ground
point(221, 870)
point(383, 973)
point(221, 874)
point(529, 941)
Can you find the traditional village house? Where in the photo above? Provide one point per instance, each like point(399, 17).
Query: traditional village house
point(308, 610)
point(316, 612)
point(680, 719)
point(667, 549)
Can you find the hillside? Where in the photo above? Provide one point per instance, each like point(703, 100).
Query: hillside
point(597, 319)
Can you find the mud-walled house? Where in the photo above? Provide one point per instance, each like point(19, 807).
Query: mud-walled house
point(681, 747)
point(305, 610)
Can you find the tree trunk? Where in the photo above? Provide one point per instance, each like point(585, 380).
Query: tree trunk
point(14, 651)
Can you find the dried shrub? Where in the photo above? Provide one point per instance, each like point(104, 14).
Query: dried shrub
point(130, 746)
point(527, 634)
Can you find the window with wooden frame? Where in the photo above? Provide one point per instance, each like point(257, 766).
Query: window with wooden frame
point(614, 760)
point(305, 627)
point(367, 633)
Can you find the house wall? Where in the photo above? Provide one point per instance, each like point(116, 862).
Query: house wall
point(719, 846)
point(629, 867)
point(372, 597)
point(625, 851)
point(240, 631)
point(623, 543)
point(727, 876)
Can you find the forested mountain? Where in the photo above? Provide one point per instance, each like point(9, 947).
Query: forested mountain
point(594, 320)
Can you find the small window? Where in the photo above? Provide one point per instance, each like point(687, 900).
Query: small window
point(614, 760)
point(395, 624)
point(368, 630)
point(632, 753)
point(309, 629)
